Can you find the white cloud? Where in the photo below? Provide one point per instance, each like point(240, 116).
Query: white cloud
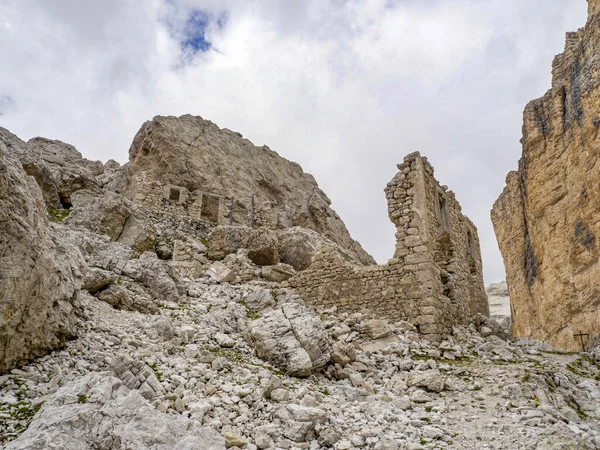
point(344, 87)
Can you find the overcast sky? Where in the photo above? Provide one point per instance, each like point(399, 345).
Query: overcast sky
point(346, 88)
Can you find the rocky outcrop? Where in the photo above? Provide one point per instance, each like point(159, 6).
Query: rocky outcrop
point(39, 272)
point(190, 167)
point(58, 168)
point(547, 219)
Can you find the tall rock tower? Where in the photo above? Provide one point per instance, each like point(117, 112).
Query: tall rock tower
point(547, 219)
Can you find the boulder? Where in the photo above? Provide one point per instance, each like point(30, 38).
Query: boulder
point(430, 379)
point(300, 421)
point(260, 243)
point(260, 299)
point(100, 411)
point(278, 273)
point(220, 272)
point(104, 214)
point(136, 375)
point(138, 233)
point(40, 273)
point(126, 299)
point(292, 338)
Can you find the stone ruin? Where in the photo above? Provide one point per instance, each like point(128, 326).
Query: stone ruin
point(434, 279)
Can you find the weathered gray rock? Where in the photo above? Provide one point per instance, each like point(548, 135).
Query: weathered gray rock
point(260, 299)
point(430, 379)
point(300, 421)
point(97, 279)
point(278, 273)
point(99, 411)
point(261, 243)
point(291, 338)
point(137, 375)
point(127, 299)
point(138, 232)
point(297, 246)
point(499, 301)
point(104, 214)
point(39, 272)
point(58, 168)
point(220, 272)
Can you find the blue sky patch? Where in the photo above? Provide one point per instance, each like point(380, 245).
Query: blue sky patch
point(194, 38)
point(195, 32)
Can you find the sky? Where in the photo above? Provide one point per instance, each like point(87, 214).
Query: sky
point(346, 88)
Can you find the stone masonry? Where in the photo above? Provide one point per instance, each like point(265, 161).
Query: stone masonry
point(434, 279)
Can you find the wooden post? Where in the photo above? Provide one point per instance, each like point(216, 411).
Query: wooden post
point(580, 336)
point(231, 212)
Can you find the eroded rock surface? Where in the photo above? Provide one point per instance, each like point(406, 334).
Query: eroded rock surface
point(291, 338)
point(216, 174)
point(547, 219)
point(40, 273)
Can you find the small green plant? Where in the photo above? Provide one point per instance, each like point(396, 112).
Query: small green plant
point(274, 295)
point(477, 387)
point(82, 398)
point(426, 419)
point(526, 378)
point(422, 441)
point(251, 314)
point(157, 373)
point(58, 215)
point(324, 391)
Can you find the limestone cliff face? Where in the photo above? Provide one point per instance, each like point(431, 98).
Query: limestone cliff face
point(189, 166)
point(547, 220)
point(40, 274)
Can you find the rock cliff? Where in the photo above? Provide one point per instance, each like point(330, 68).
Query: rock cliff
point(40, 274)
point(193, 168)
point(547, 220)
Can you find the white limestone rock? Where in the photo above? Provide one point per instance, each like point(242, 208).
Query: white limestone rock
point(40, 273)
point(98, 411)
point(292, 338)
point(220, 272)
point(278, 273)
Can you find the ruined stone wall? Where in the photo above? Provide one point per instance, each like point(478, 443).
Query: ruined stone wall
point(434, 279)
point(548, 217)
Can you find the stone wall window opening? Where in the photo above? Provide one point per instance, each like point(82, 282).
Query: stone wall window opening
point(174, 194)
point(209, 209)
point(470, 243)
point(471, 253)
point(442, 210)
